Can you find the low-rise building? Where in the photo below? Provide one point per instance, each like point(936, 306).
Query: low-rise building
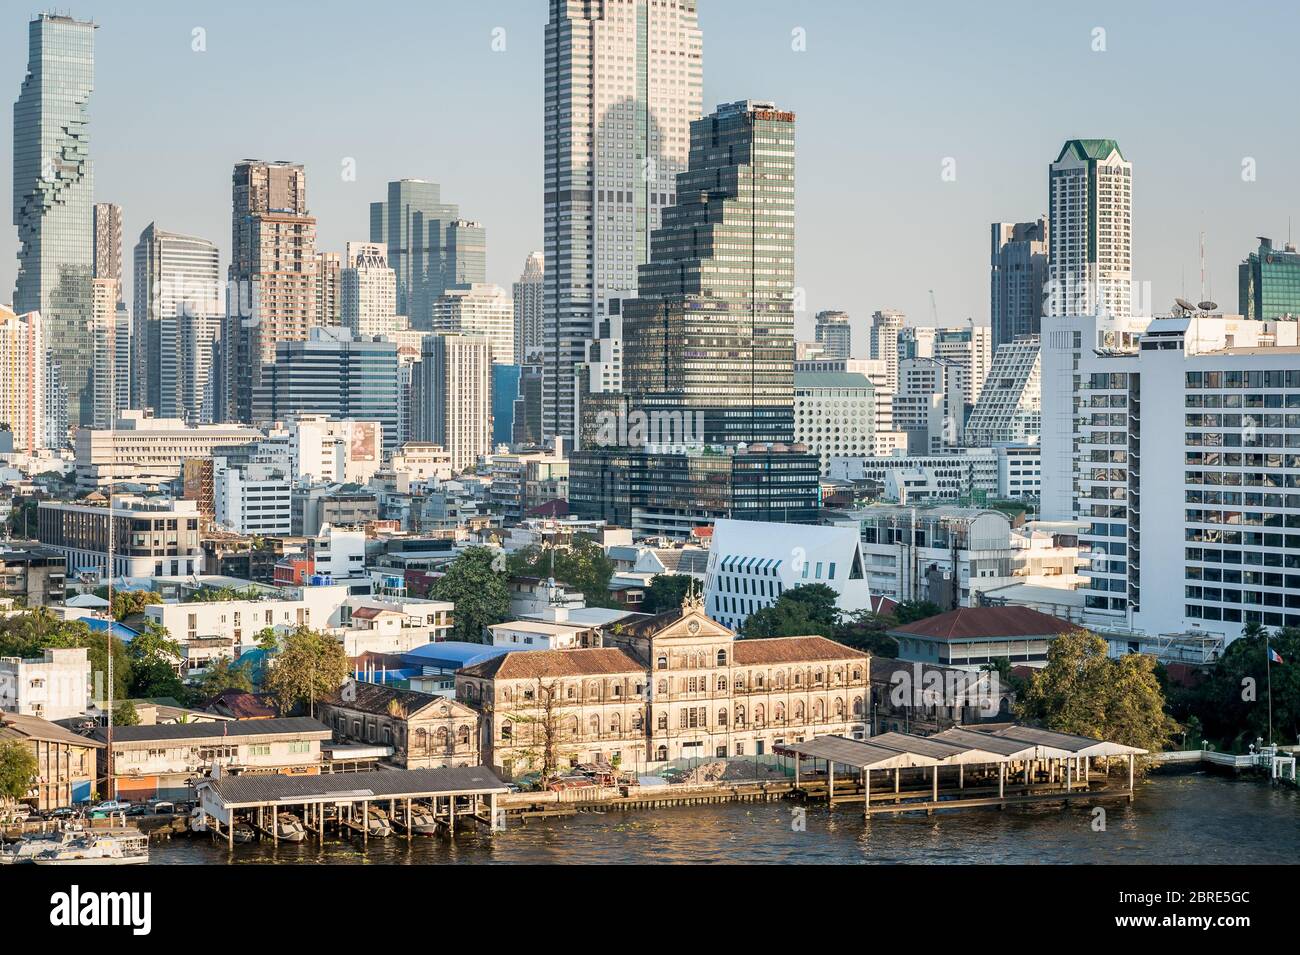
point(32, 576)
point(153, 537)
point(142, 449)
point(65, 762)
point(422, 731)
point(54, 687)
point(164, 761)
point(971, 637)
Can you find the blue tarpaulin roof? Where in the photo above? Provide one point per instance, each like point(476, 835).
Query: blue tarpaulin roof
point(451, 654)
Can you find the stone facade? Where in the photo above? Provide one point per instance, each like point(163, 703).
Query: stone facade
point(425, 731)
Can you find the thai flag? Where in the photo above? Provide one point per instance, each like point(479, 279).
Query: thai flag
point(1274, 656)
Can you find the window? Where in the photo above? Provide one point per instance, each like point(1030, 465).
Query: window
point(661, 663)
point(507, 730)
point(722, 658)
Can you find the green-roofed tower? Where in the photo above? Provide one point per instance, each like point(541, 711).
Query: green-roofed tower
point(1090, 198)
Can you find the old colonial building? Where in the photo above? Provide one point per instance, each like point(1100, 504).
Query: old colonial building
point(423, 730)
point(65, 762)
point(678, 685)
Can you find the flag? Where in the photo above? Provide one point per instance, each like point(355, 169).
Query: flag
point(1274, 656)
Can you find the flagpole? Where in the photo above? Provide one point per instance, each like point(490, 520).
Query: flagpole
point(1268, 666)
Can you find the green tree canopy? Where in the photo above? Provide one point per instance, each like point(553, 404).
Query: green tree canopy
point(223, 675)
point(666, 592)
point(583, 565)
point(910, 611)
point(1082, 690)
point(800, 611)
point(124, 714)
point(310, 665)
point(18, 769)
point(30, 634)
point(478, 590)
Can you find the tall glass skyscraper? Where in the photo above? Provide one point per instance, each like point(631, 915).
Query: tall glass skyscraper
point(53, 206)
point(623, 82)
point(430, 247)
point(1268, 282)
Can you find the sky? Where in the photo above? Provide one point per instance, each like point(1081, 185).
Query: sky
point(886, 96)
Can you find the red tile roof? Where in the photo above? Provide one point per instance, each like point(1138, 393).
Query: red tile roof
point(791, 650)
point(995, 622)
point(533, 664)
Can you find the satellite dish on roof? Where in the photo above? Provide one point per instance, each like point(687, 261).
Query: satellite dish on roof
point(1185, 305)
point(1208, 306)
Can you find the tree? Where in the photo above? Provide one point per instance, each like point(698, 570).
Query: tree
point(124, 714)
point(29, 634)
point(224, 675)
point(544, 730)
point(1231, 703)
point(666, 592)
point(865, 630)
point(18, 769)
point(311, 665)
point(801, 611)
point(583, 565)
point(910, 611)
point(267, 639)
point(477, 589)
point(1082, 690)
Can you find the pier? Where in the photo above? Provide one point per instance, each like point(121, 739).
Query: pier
point(465, 795)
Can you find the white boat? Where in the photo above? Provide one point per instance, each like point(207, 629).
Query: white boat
point(423, 822)
point(377, 823)
point(289, 827)
point(92, 848)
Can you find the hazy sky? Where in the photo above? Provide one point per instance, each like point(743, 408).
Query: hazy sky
point(883, 94)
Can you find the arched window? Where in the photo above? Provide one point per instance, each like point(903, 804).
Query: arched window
point(638, 720)
point(573, 692)
point(817, 677)
point(778, 712)
point(722, 658)
point(758, 682)
point(839, 676)
point(662, 722)
point(722, 684)
point(570, 728)
point(616, 723)
point(443, 736)
point(740, 716)
point(780, 679)
point(462, 736)
point(798, 712)
point(662, 662)
point(839, 709)
point(759, 713)
point(661, 753)
point(595, 725)
point(663, 687)
point(857, 674)
point(505, 694)
point(507, 730)
point(722, 717)
point(422, 740)
point(798, 679)
point(819, 711)
point(857, 706)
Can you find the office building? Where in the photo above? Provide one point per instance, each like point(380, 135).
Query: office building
point(23, 386)
point(834, 334)
point(1268, 282)
point(834, 414)
point(335, 374)
point(52, 199)
point(430, 247)
point(529, 295)
point(105, 350)
point(1017, 278)
point(153, 537)
point(623, 82)
point(368, 292)
point(254, 498)
point(148, 451)
point(1090, 245)
point(886, 325)
point(177, 325)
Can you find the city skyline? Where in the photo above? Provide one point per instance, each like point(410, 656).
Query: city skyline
point(486, 135)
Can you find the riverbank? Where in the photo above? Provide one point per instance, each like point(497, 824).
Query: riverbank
point(1178, 818)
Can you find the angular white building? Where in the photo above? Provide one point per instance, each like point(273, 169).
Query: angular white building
point(1010, 405)
point(751, 563)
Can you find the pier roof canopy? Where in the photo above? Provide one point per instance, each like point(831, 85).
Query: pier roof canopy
point(272, 788)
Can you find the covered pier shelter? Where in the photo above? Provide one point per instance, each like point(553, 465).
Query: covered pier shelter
point(966, 767)
point(344, 799)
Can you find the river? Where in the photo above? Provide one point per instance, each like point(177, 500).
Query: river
point(1182, 818)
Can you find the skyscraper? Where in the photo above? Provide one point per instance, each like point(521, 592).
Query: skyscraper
point(328, 305)
point(108, 242)
point(1017, 278)
point(104, 351)
point(623, 83)
point(453, 396)
point(1268, 282)
point(22, 379)
point(885, 326)
point(368, 292)
point(177, 324)
point(430, 247)
point(108, 265)
point(272, 292)
point(1090, 209)
point(480, 309)
point(1010, 407)
point(708, 363)
point(529, 302)
point(53, 186)
point(834, 334)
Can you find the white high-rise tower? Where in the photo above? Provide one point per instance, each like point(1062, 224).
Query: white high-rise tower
point(623, 83)
point(1090, 244)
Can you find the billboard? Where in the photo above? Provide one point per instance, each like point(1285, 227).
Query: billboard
point(364, 443)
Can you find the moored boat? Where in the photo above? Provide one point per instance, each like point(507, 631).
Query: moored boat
point(289, 828)
point(129, 847)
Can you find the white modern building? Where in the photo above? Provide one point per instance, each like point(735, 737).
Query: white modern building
point(153, 536)
point(368, 292)
point(528, 295)
point(419, 462)
point(253, 498)
point(834, 414)
point(55, 687)
point(1090, 244)
point(1006, 471)
point(22, 379)
point(885, 327)
point(1183, 460)
point(623, 83)
point(479, 309)
point(751, 563)
point(835, 334)
point(1010, 405)
point(327, 449)
point(144, 450)
point(453, 388)
point(930, 404)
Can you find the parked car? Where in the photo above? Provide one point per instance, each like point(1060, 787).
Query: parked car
point(139, 809)
point(111, 805)
point(63, 812)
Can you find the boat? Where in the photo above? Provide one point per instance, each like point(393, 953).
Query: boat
point(289, 828)
point(377, 823)
point(128, 847)
point(423, 822)
point(243, 833)
point(30, 846)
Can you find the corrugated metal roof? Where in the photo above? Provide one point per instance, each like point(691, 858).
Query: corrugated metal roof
point(857, 753)
point(379, 784)
point(288, 726)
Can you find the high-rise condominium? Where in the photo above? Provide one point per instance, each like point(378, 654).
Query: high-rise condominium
point(108, 242)
point(328, 279)
point(430, 247)
point(1017, 278)
point(177, 324)
point(453, 395)
point(481, 309)
point(52, 197)
point(1268, 282)
point(834, 334)
point(22, 379)
point(108, 266)
point(1090, 245)
point(368, 292)
point(885, 327)
point(529, 301)
point(272, 292)
point(105, 405)
point(623, 83)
